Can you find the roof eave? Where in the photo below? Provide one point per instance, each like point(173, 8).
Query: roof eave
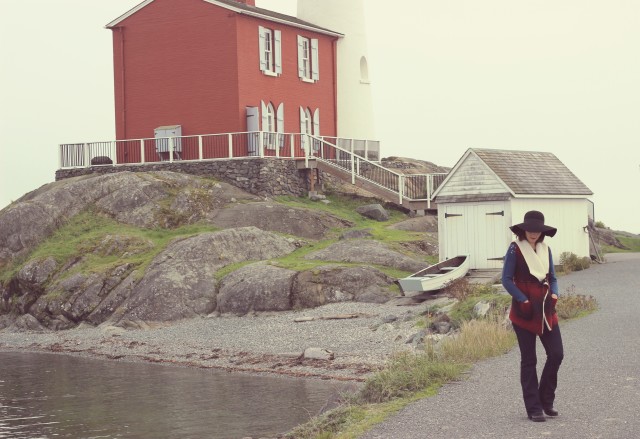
point(135, 9)
point(291, 23)
point(558, 196)
point(127, 14)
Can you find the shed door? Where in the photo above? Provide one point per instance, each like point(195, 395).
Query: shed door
point(477, 230)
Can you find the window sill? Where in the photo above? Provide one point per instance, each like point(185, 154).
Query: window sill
point(269, 73)
point(310, 81)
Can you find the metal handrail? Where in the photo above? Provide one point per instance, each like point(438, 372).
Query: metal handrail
point(412, 187)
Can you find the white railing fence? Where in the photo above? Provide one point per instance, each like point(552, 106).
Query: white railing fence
point(360, 158)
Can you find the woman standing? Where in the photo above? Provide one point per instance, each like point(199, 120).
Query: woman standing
point(529, 276)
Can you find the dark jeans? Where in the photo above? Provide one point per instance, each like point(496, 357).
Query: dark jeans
point(538, 396)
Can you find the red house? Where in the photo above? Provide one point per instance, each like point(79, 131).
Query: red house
point(194, 67)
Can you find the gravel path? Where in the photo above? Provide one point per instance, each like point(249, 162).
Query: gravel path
point(599, 384)
point(264, 343)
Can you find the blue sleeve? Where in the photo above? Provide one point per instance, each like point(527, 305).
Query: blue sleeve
point(508, 270)
point(553, 280)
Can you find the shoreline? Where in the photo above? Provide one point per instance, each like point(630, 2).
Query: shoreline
point(361, 340)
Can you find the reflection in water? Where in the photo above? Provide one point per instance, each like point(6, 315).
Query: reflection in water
point(58, 396)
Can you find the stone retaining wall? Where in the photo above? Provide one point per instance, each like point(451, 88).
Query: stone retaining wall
point(259, 176)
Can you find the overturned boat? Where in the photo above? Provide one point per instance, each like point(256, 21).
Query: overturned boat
point(435, 277)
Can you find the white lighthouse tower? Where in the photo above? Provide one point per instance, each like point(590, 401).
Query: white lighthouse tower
point(355, 106)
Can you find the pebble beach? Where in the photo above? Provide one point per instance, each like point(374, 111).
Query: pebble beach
point(356, 337)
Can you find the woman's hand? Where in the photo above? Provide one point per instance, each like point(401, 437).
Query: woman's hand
point(526, 311)
point(554, 296)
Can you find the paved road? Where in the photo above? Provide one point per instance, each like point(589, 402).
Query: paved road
point(598, 393)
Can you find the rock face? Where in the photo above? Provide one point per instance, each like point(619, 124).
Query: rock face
point(127, 279)
point(367, 251)
point(374, 211)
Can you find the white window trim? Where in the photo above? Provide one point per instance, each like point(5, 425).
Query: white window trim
point(313, 73)
point(275, 67)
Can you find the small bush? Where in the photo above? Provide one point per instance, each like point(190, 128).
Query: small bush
point(600, 225)
point(571, 262)
point(459, 289)
point(572, 305)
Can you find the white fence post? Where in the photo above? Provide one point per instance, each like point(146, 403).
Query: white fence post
point(200, 148)
point(261, 144)
point(429, 186)
point(171, 146)
point(401, 180)
point(353, 167)
point(86, 158)
point(230, 141)
point(142, 157)
point(292, 142)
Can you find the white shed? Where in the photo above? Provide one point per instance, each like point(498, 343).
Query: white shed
point(489, 190)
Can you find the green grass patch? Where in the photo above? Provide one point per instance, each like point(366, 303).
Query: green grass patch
point(81, 238)
point(469, 295)
point(344, 207)
point(477, 340)
point(631, 242)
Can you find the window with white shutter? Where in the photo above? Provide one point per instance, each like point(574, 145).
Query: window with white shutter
point(269, 48)
point(308, 60)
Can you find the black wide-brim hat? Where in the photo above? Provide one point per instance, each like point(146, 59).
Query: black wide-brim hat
point(533, 222)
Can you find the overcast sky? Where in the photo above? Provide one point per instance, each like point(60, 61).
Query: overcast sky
point(548, 75)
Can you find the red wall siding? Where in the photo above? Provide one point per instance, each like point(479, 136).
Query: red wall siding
point(180, 68)
point(195, 64)
point(287, 88)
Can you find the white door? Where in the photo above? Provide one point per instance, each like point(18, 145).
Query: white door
point(478, 230)
point(253, 128)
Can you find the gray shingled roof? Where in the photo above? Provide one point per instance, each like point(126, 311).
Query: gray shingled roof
point(271, 14)
point(250, 10)
point(532, 173)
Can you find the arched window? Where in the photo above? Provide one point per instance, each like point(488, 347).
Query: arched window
point(364, 70)
point(270, 119)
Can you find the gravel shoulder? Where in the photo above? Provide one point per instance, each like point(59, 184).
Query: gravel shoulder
point(265, 343)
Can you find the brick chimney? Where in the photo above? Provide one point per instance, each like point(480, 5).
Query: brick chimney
point(247, 2)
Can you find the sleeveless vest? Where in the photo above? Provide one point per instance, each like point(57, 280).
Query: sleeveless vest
point(541, 311)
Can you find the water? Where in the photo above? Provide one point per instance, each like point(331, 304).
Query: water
point(58, 396)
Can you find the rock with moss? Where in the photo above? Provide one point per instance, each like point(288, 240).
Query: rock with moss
point(254, 288)
point(367, 251)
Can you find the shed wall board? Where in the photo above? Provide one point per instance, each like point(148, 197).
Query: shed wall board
point(472, 177)
point(569, 216)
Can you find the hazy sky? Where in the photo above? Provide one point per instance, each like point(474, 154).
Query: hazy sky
point(546, 75)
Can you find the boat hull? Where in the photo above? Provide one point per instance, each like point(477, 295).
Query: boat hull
point(435, 277)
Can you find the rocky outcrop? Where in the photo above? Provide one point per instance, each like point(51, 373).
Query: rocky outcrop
point(367, 251)
point(278, 218)
point(126, 279)
point(373, 211)
point(256, 287)
point(329, 284)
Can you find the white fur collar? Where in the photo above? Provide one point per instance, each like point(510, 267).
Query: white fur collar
point(538, 261)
